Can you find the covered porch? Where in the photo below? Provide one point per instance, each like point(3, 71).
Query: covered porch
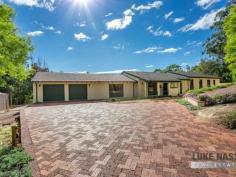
point(162, 89)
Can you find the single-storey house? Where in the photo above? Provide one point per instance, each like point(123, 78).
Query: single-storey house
point(51, 86)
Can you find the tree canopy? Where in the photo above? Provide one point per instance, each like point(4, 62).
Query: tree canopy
point(172, 67)
point(214, 49)
point(14, 49)
point(230, 47)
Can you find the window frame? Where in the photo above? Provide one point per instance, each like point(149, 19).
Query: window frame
point(116, 88)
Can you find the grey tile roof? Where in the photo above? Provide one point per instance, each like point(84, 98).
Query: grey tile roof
point(194, 74)
point(180, 77)
point(151, 76)
point(53, 76)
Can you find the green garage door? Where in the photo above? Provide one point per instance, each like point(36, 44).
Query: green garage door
point(78, 92)
point(53, 93)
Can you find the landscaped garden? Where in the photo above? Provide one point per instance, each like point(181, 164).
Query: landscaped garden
point(207, 103)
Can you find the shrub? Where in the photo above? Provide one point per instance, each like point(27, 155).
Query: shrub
point(220, 99)
point(14, 162)
point(231, 98)
point(208, 101)
point(229, 120)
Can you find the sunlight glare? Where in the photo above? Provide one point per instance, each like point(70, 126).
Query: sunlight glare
point(81, 2)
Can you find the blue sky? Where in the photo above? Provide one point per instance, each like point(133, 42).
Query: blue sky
point(113, 35)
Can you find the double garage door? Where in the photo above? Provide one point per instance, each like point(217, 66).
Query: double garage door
point(57, 92)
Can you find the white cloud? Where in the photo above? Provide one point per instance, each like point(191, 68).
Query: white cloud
point(193, 43)
point(108, 15)
point(149, 28)
point(58, 32)
point(119, 47)
point(115, 71)
point(121, 23)
point(203, 23)
point(155, 4)
point(104, 37)
point(70, 48)
point(35, 33)
point(149, 66)
point(128, 12)
point(47, 4)
point(205, 4)
point(126, 20)
point(187, 53)
point(81, 37)
point(166, 16)
point(169, 50)
point(162, 33)
point(177, 20)
point(147, 50)
point(82, 25)
point(50, 28)
point(159, 32)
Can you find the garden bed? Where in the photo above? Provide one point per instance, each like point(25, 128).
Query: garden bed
point(221, 114)
point(14, 162)
point(214, 97)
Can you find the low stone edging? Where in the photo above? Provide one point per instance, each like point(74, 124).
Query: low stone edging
point(194, 101)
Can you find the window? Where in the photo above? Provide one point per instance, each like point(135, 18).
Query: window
point(214, 82)
point(208, 83)
point(200, 83)
point(116, 90)
point(152, 88)
point(174, 85)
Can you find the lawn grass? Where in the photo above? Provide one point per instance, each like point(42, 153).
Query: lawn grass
point(203, 90)
point(188, 105)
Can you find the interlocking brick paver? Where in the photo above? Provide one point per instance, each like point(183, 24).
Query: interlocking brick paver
point(140, 138)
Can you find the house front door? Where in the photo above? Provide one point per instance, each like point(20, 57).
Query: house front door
point(165, 89)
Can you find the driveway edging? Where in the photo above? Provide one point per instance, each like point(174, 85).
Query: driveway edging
point(27, 144)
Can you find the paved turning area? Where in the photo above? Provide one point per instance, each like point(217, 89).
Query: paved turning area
point(142, 138)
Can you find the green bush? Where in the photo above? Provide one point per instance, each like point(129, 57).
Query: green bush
point(14, 162)
point(218, 99)
point(208, 101)
point(229, 120)
point(188, 105)
point(203, 90)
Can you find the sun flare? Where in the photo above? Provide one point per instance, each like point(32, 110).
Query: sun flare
point(81, 2)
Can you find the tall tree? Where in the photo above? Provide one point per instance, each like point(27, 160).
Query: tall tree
point(211, 67)
point(214, 46)
point(14, 49)
point(173, 67)
point(230, 48)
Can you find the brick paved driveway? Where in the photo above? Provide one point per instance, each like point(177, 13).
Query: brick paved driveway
point(143, 138)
